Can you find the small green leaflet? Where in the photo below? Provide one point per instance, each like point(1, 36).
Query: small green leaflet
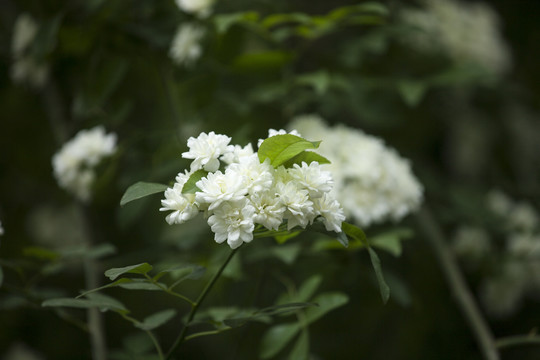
point(140, 190)
point(282, 148)
point(356, 233)
point(190, 186)
point(142, 268)
point(156, 320)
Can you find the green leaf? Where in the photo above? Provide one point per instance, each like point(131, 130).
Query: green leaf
point(300, 351)
point(308, 157)
point(142, 268)
point(319, 80)
point(190, 186)
point(276, 338)
point(156, 320)
point(326, 302)
point(287, 18)
point(140, 284)
point(341, 236)
point(412, 92)
point(391, 240)
point(262, 61)
point(354, 232)
point(40, 253)
point(282, 239)
point(366, 7)
point(140, 190)
point(281, 148)
point(264, 314)
point(308, 288)
point(102, 302)
point(224, 21)
point(114, 284)
point(383, 287)
point(286, 253)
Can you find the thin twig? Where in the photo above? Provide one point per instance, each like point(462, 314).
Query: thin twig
point(197, 304)
point(518, 340)
point(458, 285)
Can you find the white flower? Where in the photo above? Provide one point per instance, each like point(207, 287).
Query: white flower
point(371, 181)
point(25, 68)
point(268, 209)
point(465, 31)
point(200, 8)
point(233, 222)
point(331, 212)
point(24, 33)
point(523, 216)
point(237, 154)
point(186, 45)
point(499, 203)
point(299, 210)
point(73, 165)
point(206, 149)
point(471, 242)
point(219, 187)
point(524, 245)
point(183, 206)
point(312, 178)
point(257, 176)
point(273, 132)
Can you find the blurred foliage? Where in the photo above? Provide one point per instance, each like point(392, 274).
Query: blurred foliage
point(466, 131)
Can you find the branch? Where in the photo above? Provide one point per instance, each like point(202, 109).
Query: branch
point(458, 285)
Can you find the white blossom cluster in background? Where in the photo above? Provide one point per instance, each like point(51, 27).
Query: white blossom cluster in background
point(372, 182)
point(516, 269)
point(249, 194)
point(74, 164)
point(186, 45)
point(26, 69)
point(465, 31)
point(199, 8)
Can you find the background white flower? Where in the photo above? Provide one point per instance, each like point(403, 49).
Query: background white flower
point(371, 181)
point(186, 45)
point(200, 8)
point(206, 149)
point(25, 68)
point(73, 164)
point(465, 31)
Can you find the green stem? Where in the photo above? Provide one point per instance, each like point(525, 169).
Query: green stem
point(195, 307)
point(205, 333)
point(169, 291)
point(148, 332)
point(517, 340)
point(457, 283)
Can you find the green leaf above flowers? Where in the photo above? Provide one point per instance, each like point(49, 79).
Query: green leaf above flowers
point(282, 148)
point(140, 190)
point(190, 186)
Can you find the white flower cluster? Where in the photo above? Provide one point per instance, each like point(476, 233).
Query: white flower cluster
point(25, 68)
point(466, 31)
point(186, 46)
point(199, 8)
point(519, 272)
point(372, 182)
point(248, 193)
point(517, 263)
point(74, 164)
